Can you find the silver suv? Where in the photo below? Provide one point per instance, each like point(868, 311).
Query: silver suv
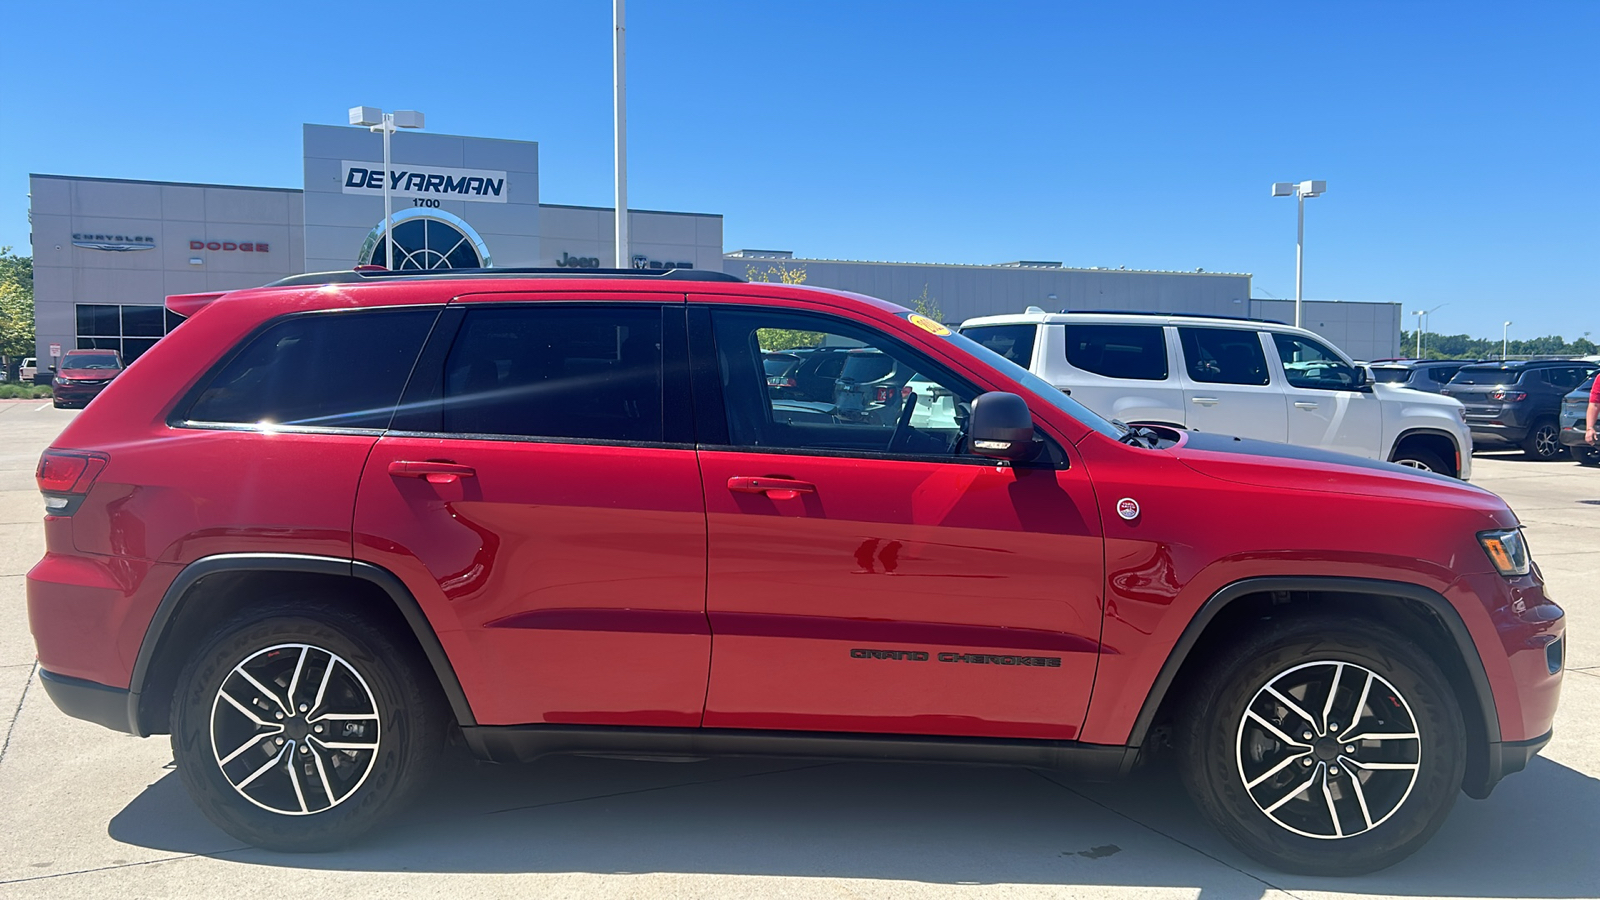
point(1231, 376)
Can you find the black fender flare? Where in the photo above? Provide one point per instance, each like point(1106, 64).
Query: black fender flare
point(1478, 783)
point(385, 580)
point(1394, 448)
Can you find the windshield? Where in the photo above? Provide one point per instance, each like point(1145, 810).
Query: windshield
point(1037, 386)
point(1386, 375)
point(90, 362)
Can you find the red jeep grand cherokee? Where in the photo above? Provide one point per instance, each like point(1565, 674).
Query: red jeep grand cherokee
point(329, 522)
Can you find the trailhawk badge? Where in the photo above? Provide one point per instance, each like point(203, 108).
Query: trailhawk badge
point(1128, 508)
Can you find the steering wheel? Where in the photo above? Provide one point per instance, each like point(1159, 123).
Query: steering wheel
point(902, 425)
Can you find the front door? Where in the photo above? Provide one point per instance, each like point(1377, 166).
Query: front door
point(540, 497)
point(865, 574)
point(1227, 385)
point(1329, 406)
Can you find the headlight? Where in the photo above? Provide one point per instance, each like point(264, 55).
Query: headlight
point(1508, 550)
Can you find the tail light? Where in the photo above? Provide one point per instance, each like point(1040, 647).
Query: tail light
point(1508, 396)
point(65, 476)
point(880, 395)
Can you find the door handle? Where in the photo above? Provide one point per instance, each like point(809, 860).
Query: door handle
point(434, 471)
point(776, 488)
point(1304, 404)
point(1204, 401)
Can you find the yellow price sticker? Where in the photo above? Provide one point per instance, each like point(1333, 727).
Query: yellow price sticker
point(928, 325)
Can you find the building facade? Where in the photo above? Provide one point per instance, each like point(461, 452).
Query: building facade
point(107, 252)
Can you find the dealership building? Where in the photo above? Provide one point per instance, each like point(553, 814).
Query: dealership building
point(107, 251)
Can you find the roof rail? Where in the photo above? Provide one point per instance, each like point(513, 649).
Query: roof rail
point(365, 276)
point(1180, 315)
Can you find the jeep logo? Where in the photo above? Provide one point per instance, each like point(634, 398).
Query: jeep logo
point(577, 262)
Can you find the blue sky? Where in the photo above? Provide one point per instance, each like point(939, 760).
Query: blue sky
point(1459, 140)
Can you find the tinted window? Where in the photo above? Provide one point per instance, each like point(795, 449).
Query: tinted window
point(335, 370)
point(90, 361)
point(1309, 364)
point(1014, 342)
point(1388, 375)
point(143, 321)
point(884, 398)
point(1484, 375)
point(1442, 374)
point(1223, 356)
point(1119, 351)
point(590, 372)
point(96, 320)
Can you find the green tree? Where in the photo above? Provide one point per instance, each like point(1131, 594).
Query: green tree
point(1461, 346)
point(16, 308)
point(782, 338)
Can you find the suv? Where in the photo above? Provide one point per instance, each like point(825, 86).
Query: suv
point(1518, 401)
point(1574, 421)
point(332, 523)
point(82, 375)
point(1241, 377)
point(1418, 374)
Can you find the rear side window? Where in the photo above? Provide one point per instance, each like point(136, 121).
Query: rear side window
point(1119, 351)
point(333, 370)
point(587, 373)
point(1442, 374)
point(1014, 342)
point(1223, 356)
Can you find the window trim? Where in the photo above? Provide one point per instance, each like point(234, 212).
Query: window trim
point(710, 403)
point(177, 414)
point(1326, 348)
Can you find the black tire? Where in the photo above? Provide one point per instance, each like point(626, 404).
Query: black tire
point(366, 785)
point(57, 403)
point(1422, 459)
point(1218, 745)
point(1584, 454)
point(1543, 441)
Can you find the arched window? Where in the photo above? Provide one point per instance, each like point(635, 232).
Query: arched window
point(426, 239)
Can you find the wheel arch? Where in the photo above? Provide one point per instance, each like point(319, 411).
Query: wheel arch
point(1435, 440)
point(1442, 632)
point(181, 615)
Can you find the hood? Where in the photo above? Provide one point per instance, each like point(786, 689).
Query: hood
point(1290, 467)
point(1399, 393)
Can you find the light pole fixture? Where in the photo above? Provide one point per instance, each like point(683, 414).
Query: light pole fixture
point(1505, 339)
point(1422, 324)
point(619, 112)
point(1299, 190)
point(377, 120)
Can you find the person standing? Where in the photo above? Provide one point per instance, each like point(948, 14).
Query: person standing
point(1594, 407)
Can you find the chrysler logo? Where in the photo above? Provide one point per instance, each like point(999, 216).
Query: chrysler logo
point(114, 242)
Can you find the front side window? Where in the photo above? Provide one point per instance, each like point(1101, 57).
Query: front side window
point(1309, 364)
point(1119, 351)
point(1223, 356)
point(332, 370)
point(880, 396)
point(575, 372)
point(1014, 342)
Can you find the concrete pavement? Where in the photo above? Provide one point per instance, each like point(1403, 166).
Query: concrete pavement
point(85, 812)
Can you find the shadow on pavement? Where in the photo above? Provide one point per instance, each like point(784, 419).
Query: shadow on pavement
point(935, 824)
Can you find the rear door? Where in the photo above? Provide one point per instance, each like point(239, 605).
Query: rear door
point(865, 574)
point(1327, 404)
point(1227, 385)
point(539, 495)
point(1121, 371)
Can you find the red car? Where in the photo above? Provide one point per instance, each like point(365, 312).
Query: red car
point(82, 375)
point(333, 520)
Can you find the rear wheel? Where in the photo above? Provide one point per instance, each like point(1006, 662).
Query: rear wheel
point(1324, 746)
point(1543, 441)
point(299, 727)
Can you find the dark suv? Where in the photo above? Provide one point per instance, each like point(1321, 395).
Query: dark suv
point(332, 523)
point(1429, 375)
point(1518, 401)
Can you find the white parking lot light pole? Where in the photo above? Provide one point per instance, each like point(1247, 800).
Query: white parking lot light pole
point(1300, 191)
point(377, 120)
point(1505, 338)
point(1419, 314)
point(619, 111)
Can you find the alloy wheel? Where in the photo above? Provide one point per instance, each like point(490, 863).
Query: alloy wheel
point(294, 729)
point(1414, 464)
point(1328, 749)
point(1546, 441)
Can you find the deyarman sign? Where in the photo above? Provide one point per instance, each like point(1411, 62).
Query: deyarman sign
point(426, 182)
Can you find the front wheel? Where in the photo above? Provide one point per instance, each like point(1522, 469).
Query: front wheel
point(1324, 747)
point(299, 727)
point(1421, 459)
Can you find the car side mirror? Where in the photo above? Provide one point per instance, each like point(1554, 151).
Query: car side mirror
point(1002, 428)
